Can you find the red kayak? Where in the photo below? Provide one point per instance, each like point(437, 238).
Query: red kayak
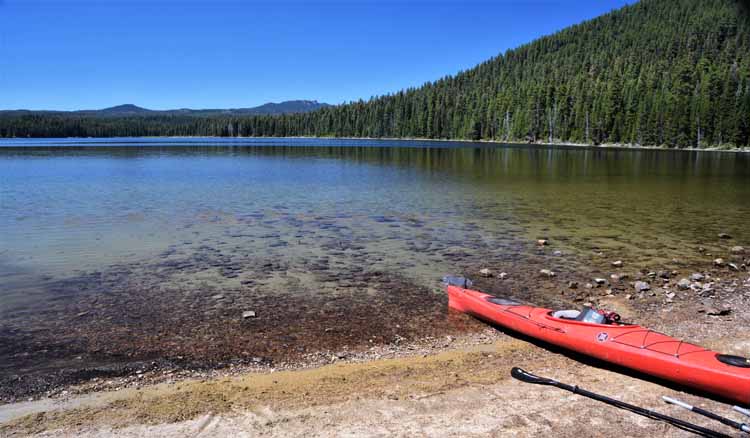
point(601, 335)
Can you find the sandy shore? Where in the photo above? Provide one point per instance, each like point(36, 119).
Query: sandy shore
point(462, 392)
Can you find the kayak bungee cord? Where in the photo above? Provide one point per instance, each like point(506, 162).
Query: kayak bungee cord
point(527, 377)
point(729, 422)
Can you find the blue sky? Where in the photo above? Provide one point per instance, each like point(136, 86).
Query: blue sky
point(85, 54)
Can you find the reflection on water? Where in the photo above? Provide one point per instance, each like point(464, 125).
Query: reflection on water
point(83, 206)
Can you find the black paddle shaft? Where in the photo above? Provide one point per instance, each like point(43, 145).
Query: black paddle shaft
point(727, 421)
point(527, 377)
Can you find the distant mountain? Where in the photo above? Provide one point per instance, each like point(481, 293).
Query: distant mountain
point(288, 107)
point(130, 110)
point(121, 110)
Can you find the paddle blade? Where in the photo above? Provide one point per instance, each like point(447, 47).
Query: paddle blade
point(527, 377)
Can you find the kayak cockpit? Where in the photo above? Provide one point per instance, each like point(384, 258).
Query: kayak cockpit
point(588, 315)
point(566, 314)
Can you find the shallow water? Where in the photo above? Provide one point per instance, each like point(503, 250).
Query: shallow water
point(74, 206)
point(257, 219)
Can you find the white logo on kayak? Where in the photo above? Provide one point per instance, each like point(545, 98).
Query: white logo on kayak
point(601, 337)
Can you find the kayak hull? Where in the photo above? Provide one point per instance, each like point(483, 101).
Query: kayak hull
point(629, 346)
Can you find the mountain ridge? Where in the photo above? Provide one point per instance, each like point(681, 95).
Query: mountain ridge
point(129, 109)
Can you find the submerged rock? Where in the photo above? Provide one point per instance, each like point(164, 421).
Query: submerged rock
point(502, 275)
point(600, 281)
point(719, 262)
point(724, 236)
point(684, 284)
point(248, 314)
point(617, 263)
point(737, 250)
point(713, 311)
point(485, 272)
point(641, 286)
point(697, 276)
point(547, 273)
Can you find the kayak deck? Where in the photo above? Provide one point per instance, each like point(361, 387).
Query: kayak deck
point(628, 345)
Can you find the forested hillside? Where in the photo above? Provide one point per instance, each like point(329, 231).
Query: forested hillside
point(660, 72)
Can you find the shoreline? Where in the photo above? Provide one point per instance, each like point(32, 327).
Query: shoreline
point(714, 319)
point(418, 139)
point(144, 379)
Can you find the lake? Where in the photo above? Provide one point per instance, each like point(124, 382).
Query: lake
point(114, 250)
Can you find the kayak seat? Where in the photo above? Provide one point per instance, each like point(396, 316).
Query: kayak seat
point(566, 314)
